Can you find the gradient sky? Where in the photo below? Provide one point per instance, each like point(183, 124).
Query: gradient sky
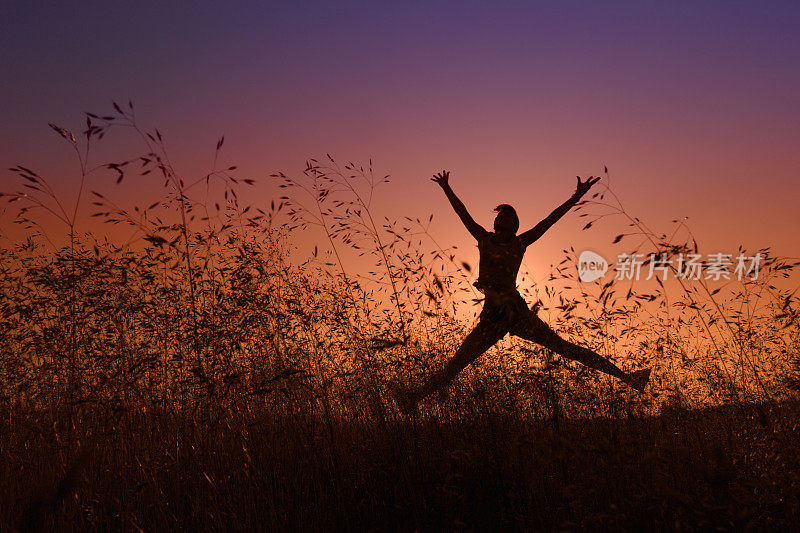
point(693, 106)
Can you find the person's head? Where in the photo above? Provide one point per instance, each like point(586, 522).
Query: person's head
point(506, 223)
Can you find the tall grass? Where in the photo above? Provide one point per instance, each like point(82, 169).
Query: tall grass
point(202, 371)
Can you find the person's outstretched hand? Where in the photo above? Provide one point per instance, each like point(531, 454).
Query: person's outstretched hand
point(584, 186)
point(443, 178)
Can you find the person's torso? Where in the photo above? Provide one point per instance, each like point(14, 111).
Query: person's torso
point(499, 263)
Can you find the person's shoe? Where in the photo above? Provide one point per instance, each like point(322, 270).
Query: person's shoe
point(638, 380)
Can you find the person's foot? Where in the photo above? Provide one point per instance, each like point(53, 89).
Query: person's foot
point(638, 380)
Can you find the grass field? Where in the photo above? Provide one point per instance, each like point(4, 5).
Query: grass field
point(198, 374)
point(463, 468)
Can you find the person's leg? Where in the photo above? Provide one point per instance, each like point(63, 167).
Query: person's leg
point(480, 339)
point(534, 329)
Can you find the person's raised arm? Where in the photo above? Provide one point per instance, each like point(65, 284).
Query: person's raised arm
point(538, 230)
point(473, 227)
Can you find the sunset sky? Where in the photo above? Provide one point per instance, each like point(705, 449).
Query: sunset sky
point(693, 106)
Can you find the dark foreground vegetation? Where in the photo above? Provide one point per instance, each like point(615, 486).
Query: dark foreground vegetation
point(211, 364)
point(467, 467)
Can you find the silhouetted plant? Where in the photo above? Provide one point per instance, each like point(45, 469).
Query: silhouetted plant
point(201, 366)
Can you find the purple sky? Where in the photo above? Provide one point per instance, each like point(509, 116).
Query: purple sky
point(693, 106)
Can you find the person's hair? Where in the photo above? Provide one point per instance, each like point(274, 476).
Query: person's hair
point(505, 208)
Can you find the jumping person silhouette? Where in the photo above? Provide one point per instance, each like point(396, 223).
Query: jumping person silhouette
point(504, 309)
